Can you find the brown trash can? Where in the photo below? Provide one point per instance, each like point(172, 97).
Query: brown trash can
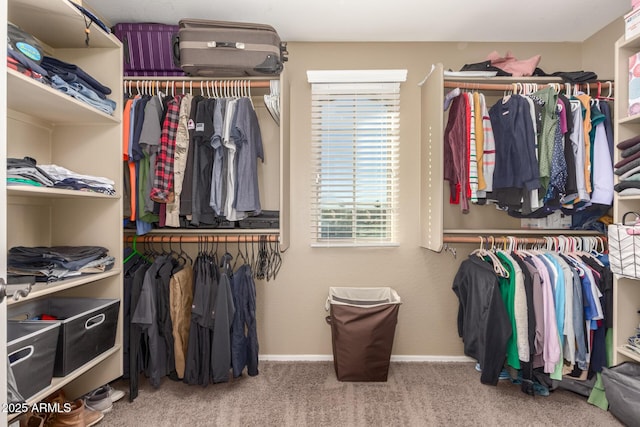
point(363, 323)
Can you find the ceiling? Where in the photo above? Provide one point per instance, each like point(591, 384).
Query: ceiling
point(397, 20)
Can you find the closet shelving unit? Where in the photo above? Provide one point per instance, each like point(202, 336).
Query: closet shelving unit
point(626, 291)
point(53, 128)
point(438, 218)
point(273, 173)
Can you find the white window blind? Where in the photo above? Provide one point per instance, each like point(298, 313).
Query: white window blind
point(355, 144)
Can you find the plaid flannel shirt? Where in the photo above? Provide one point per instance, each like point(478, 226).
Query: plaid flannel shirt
point(162, 191)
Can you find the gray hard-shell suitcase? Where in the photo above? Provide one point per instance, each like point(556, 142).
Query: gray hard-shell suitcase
point(227, 49)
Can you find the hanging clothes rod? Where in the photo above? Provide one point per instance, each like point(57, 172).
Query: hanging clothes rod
point(496, 239)
point(605, 88)
point(190, 83)
point(249, 238)
point(508, 239)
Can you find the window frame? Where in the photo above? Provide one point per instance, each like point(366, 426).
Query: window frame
point(364, 90)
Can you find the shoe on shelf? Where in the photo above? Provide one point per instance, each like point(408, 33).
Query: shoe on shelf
point(99, 400)
point(56, 398)
point(31, 420)
point(114, 393)
point(72, 418)
point(92, 417)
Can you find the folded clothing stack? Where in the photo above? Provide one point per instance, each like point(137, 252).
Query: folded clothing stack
point(67, 179)
point(25, 171)
point(25, 55)
point(628, 168)
point(54, 263)
point(77, 83)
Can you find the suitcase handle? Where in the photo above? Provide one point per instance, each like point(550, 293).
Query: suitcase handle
point(175, 39)
point(233, 45)
point(23, 354)
point(94, 321)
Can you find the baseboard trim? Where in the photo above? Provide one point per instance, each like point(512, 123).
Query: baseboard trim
point(329, 357)
point(407, 358)
point(296, 357)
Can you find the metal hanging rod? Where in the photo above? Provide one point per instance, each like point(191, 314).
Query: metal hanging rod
point(241, 238)
point(507, 239)
point(496, 239)
point(601, 88)
point(194, 83)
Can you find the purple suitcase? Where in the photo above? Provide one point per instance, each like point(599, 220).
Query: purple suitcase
point(148, 49)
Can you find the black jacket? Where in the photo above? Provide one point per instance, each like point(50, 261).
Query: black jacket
point(483, 322)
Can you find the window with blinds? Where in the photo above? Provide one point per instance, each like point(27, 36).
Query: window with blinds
point(355, 144)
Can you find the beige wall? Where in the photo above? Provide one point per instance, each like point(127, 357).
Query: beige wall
point(598, 52)
point(291, 309)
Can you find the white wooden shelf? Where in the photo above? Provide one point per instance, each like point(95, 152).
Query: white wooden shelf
point(54, 128)
point(629, 353)
point(631, 120)
point(629, 197)
point(32, 97)
point(38, 17)
point(42, 289)
point(632, 43)
point(56, 193)
point(626, 290)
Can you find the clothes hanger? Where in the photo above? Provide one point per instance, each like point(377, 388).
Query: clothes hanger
point(179, 259)
point(239, 255)
point(478, 252)
point(183, 254)
point(247, 88)
point(246, 252)
point(593, 249)
point(135, 251)
point(253, 256)
point(609, 94)
point(276, 261)
point(149, 251)
point(498, 268)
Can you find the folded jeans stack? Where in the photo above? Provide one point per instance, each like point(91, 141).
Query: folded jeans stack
point(58, 262)
point(76, 82)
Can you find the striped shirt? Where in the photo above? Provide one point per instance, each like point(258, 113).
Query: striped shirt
point(489, 152)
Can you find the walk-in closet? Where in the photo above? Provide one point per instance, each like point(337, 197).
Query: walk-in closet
point(310, 214)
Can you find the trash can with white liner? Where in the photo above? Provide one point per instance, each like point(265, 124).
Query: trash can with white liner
point(363, 323)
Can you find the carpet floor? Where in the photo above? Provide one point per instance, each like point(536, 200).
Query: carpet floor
point(308, 394)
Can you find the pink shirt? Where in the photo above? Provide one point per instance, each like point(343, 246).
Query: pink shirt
point(551, 352)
